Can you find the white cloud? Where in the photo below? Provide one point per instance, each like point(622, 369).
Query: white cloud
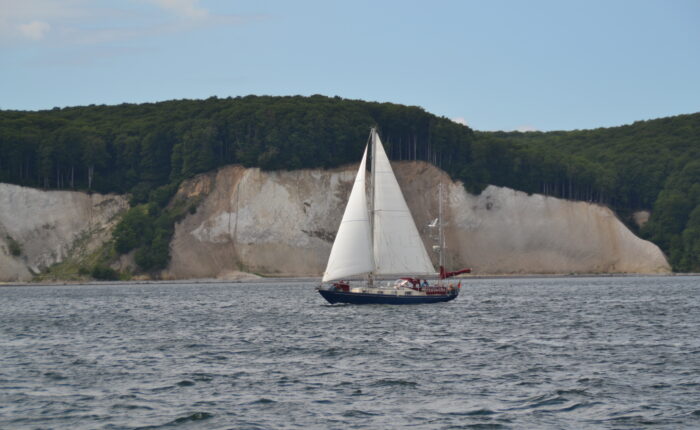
point(72, 29)
point(44, 10)
point(31, 20)
point(460, 120)
point(35, 30)
point(85, 22)
point(526, 127)
point(185, 8)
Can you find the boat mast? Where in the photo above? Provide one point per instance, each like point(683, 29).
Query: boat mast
point(372, 133)
point(441, 232)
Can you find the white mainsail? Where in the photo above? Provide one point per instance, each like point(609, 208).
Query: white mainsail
point(398, 248)
point(390, 245)
point(351, 253)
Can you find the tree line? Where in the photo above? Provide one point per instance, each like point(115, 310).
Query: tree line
point(148, 149)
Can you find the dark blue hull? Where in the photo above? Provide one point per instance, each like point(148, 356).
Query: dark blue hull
point(383, 299)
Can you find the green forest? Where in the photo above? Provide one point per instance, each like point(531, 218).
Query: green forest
point(146, 150)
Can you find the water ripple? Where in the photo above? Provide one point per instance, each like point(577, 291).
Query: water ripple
point(509, 353)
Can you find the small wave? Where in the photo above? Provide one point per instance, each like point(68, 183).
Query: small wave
point(332, 352)
point(55, 376)
point(286, 380)
point(557, 397)
point(577, 406)
point(197, 345)
point(558, 400)
point(193, 417)
point(127, 396)
point(197, 416)
point(539, 401)
point(262, 401)
point(185, 383)
point(160, 389)
point(475, 413)
point(202, 377)
point(130, 406)
point(574, 391)
point(355, 413)
point(395, 382)
point(634, 420)
point(505, 346)
point(485, 426)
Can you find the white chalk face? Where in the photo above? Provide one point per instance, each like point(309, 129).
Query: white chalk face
point(500, 231)
point(51, 225)
point(286, 221)
point(507, 231)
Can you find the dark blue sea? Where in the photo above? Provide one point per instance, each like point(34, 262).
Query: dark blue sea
point(604, 352)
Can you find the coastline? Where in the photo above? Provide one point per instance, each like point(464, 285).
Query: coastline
point(317, 279)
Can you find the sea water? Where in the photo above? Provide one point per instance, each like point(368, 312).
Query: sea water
point(604, 352)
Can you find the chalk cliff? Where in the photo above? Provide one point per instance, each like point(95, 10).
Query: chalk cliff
point(283, 223)
point(49, 226)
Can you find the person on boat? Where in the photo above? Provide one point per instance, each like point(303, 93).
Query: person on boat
point(425, 283)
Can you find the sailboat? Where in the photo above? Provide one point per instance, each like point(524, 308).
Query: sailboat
point(378, 238)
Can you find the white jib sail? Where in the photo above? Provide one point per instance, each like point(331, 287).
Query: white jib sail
point(398, 248)
point(351, 253)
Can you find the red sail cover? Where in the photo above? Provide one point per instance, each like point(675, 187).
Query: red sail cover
point(444, 275)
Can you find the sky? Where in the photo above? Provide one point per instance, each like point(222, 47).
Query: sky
point(493, 65)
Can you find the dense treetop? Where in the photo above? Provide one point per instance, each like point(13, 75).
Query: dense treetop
point(148, 149)
point(136, 147)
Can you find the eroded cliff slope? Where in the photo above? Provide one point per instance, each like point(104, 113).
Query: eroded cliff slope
point(283, 223)
point(49, 226)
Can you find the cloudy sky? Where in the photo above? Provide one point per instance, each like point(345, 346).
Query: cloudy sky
point(494, 65)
